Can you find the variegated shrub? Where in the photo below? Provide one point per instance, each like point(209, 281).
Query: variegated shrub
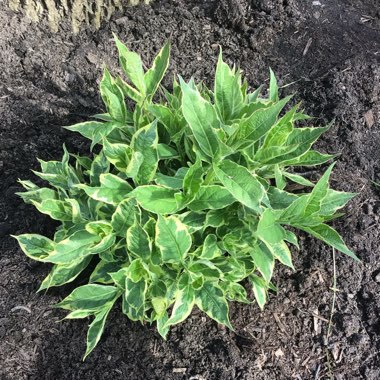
point(187, 201)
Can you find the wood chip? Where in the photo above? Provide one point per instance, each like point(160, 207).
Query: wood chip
point(315, 320)
point(279, 353)
point(179, 370)
point(369, 118)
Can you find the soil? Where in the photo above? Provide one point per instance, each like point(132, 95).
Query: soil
point(329, 55)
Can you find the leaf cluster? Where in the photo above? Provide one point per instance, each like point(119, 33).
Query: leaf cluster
point(187, 201)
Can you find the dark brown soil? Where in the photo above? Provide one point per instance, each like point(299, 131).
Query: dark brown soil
point(331, 55)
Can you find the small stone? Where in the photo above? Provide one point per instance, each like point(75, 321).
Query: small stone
point(317, 3)
point(377, 278)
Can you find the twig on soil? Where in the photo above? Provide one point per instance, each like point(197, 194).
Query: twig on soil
point(317, 371)
point(20, 307)
point(307, 46)
point(313, 314)
point(334, 289)
point(280, 325)
point(329, 328)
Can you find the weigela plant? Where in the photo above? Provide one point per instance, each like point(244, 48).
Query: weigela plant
point(187, 201)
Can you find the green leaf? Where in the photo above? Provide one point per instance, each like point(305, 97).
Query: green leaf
point(264, 260)
point(156, 199)
point(259, 290)
point(134, 299)
point(55, 173)
point(328, 235)
point(95, 330)
point(99, 227)
point(175, 183)
point(183, 305)
point(206, 268)
point(124, 216)
point(193, 220)
point(281, 252)
point(309, 158)
point(28, 185)
point(92, 297)
point(138, 241)
point(173, 239)
point(113, 98)
point(162, 327)
point(132, 65)
point(257, 124)
point(63, 274)
point(244, 186)
point(217, 218)
point(334, 200)
point(318, 193)
point(35, 246)
point(129, 91)
point(279, 177)
point(211, 299)
point(210, 248)
point(154, 75)
point(38, 195)
point(159, 305)
point(295, 211)
point(298, 179)
point(193, 178)
point(134, 166)
point(112, 189)
point(102, 228)
point(211, 197)
point(298, 143)
point(145, 142)
point(137, 270)
point(79, 314)
point(99, 166)
point(117, 154)
point(273, 87)
point(280, 199)
point(76, 246)
point(280, 132)
point(235, 292)
point(228, 95)
point(252, 97)
point(102, 271)
point(57, 210)
point(291, 237)
point(202, 119)
point(167, 117)
point(268, 229)
point(94, 130)
point(165, 151)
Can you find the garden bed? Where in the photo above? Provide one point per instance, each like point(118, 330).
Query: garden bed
point(331, 55)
